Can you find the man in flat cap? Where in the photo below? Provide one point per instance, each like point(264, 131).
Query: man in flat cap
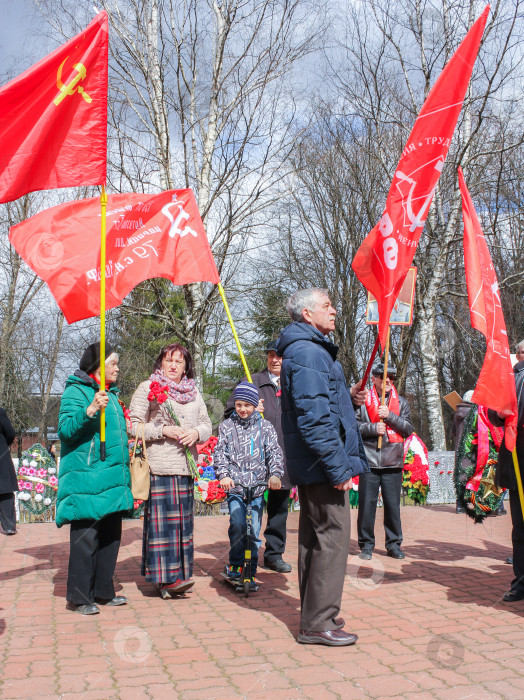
point(393, 422)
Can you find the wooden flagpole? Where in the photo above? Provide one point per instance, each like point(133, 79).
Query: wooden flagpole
point(103, 207)
point(235, 336)
point(384, 377)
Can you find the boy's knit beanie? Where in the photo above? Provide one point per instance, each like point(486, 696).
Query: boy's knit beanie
point(245, 391)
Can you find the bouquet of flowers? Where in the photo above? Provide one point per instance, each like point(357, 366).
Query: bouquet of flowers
point(158, 393)
point(207, 487)
point(37, 480)
point(415, 480)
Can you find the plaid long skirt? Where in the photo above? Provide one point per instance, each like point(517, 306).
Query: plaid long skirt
point(167, 545)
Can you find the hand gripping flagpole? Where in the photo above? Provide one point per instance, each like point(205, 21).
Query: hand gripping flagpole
point(385, 376)
point(103, 207)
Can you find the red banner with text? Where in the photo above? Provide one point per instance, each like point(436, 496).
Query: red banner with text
point(148, 236)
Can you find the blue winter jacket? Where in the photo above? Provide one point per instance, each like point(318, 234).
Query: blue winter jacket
point(322, 440)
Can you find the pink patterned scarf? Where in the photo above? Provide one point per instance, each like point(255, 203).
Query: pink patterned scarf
point(184, 392)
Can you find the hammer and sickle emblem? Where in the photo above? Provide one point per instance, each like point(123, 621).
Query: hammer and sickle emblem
point(418, 219)
point(72, 86)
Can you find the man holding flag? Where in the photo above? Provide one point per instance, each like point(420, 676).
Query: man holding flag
point(507, 478)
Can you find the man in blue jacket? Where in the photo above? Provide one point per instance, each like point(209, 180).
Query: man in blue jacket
point(324, 451)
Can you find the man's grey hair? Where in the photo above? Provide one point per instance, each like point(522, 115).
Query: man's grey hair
point(519, 347)
point(304, 299)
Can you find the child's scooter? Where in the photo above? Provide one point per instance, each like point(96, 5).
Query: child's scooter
point(244, 583)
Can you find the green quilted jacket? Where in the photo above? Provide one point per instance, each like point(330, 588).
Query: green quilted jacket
point(87, 487)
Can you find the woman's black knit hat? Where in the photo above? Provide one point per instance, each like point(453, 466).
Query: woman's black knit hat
point(90, 360)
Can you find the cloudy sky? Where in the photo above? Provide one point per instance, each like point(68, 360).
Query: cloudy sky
point(20, 45)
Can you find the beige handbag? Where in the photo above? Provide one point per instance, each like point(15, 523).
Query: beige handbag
point(139, 468)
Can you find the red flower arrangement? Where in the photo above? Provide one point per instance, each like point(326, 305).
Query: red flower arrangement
point(207, 488)
point(415, 480)
point(206, 449)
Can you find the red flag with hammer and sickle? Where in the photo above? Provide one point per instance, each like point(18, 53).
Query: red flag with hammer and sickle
point(383, 260)
point(159, 235)
point(496, 384)
point(53, 118)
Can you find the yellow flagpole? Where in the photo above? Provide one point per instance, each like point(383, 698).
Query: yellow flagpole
point(235, 336)
point(519, 480)
point(383, 398)
point(103, 207)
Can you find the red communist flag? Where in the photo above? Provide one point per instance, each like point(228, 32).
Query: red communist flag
point(496, 384)
point(383, 260)
point(53, 118)
point(159, 235)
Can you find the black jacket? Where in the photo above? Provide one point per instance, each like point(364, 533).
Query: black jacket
point(505, 469)
point(321, 437)
point(272, 412)
point(8, 480)
point(392, 453)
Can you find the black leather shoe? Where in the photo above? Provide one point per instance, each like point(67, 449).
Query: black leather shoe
point(279, 565)
point(513, 595)
point(10, 532)
point(509, 560)
point(331, 638)
point(88, 609)
point(366, 554)
point(396, 553)
point(117, 600)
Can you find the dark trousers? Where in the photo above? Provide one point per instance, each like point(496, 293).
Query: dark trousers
point(7, 511)
point(238, 528)
point(517, 538)
point(390, 481)
point(93, 552)
point(323, 543)
point(275, 532)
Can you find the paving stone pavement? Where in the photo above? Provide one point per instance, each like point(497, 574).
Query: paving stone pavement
point(430, 626)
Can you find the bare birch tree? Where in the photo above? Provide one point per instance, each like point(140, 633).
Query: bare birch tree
point(201, 97)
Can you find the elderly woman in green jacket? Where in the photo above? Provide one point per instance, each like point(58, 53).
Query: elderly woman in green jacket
point(92, 494)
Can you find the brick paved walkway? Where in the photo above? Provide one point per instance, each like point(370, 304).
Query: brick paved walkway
point(431, 626)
